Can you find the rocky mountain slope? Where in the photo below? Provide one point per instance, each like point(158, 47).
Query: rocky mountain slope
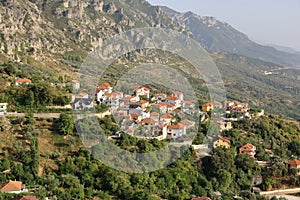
point(219, 36)
point(58, 31)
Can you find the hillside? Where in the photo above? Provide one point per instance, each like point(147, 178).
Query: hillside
point(219, 36)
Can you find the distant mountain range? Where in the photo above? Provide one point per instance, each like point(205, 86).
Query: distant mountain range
point(219, 36)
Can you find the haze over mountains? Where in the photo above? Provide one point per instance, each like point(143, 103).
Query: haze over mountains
point(219, 36)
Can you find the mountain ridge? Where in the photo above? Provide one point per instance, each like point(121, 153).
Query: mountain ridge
point(218, 36)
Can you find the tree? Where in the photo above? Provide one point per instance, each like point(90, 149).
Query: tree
point(66, 126)
point(224, 179)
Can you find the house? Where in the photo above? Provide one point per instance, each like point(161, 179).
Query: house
point(221, 141)
point(113, 100)
point(188, 124)
point(294, 164)
point(173, 100)
point(154, 116)
point(24, 81)
point(207, 107)
point(166, 119)
point(101, 90)
point(248, 149)
point(82, 104)
point(179, 95)
point(224, 125)
point(160, 107)
point(170, 107)
point(130, 99)
point(25, 198)
point(177, 130)
point(135, 117)
point(3, 108)
point(144, 104)
point(159, 98)
point(14, 187)
point(148, 121)
point(201, 198)
point(189, 107)
point(75, 84)
point(142, 91)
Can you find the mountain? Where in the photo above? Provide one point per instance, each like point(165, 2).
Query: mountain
point(55, 33)
point(284, 49)
point(219, 36)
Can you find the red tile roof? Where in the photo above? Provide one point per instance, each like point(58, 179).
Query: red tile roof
point(24, 80)
point(25, 198)
point(142, 87)
point(166, 116)
point(177, 126)
point(209, 104)
point(226, 139)
point(295, 163)
point(11, 186)
point(248, 146)
point(171, 98)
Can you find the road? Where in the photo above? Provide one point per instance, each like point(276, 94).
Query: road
point(35, 115)
point(280, 192)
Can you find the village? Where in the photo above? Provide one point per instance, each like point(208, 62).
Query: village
point(160, 116)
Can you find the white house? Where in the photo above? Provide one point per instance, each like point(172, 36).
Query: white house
point(3, 108)
point(177, 130)
point(82, 104)
point(173, 100)
point(179, 95)
point(24, 81)
point(142, 91)
point(101, 90)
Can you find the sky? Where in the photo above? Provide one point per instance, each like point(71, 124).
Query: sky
point(264, 21)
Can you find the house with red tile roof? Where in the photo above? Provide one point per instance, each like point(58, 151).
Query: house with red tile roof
point(23, 81)
point(101, 90)
point(173, 100)
point(142, 91)
point(207, 107)
point(201, 198)
point(248, 149)
point(160, 107)
point(25, 198)
point(177, 130)
point(166, 119)
point(294, 164)
point(14, 187)
point(178, 94)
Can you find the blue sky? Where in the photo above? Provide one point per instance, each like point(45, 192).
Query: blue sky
point(265, 21)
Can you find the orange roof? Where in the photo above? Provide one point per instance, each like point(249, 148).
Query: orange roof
point(248, 146)
point(142, 87)
point(177, 126)
point(24, 80)
point(209, 104)
point(11, 186)
point(166, 116)
point(161, 104)
point(148, 121)
point(25, 198)
point(143, 101)
point(294, 163)
point(154, 114)
point(226, 139)
point(74, 81)
point(170, 105)
point(171, 98)
point(103, 86)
